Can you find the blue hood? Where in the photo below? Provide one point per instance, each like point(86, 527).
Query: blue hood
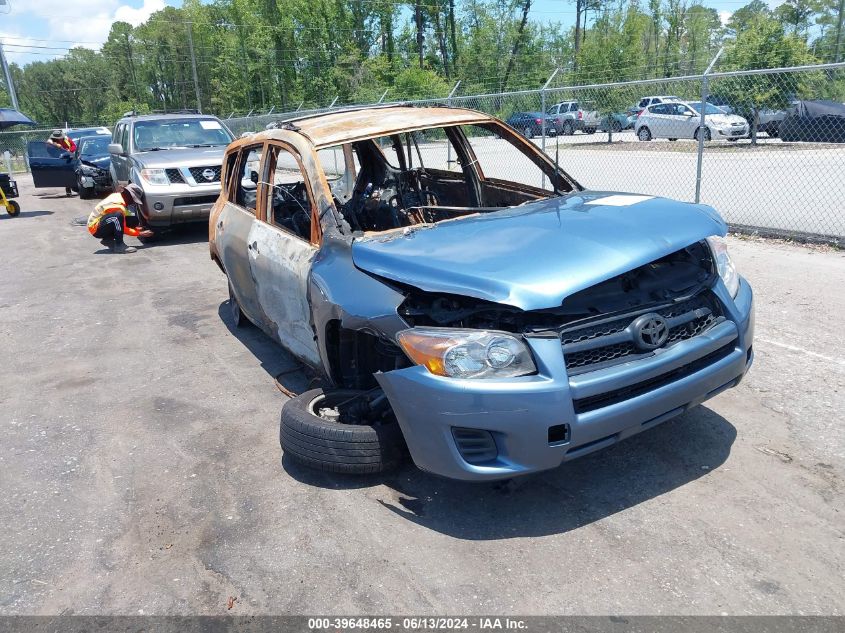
point(535, 255)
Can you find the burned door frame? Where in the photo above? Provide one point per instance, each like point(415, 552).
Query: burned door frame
point(280, 262)
point(233, 226)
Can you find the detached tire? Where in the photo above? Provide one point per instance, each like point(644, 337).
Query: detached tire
point(335, 447)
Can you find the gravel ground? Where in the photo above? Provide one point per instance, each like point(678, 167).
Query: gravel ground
point(141, 470)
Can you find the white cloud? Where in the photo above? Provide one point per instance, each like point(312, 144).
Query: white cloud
point(88, 25)
point(724, 16)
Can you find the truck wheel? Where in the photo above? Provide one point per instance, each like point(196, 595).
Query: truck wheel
point(568, 130)
point(313, 433)
point(13, 208)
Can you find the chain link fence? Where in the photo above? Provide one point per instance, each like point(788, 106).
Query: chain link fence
point(765, 148)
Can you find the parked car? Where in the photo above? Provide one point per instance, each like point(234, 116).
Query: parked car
point(647, 101)
point(52, 166)
point(93, 163)
point(574, 116)
point(674, 120)
point(175, 159)
point(816, 121)
point(619, 121)
point(493, 315)
point(77, 133)
point(722, 102)
point(530, 124)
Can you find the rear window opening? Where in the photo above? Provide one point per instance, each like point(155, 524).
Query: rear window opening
point(436, 174)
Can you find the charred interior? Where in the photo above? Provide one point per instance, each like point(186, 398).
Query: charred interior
point(672, 278)
point(434, 175)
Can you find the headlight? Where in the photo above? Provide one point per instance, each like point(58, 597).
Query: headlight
point(88, 170)
point(155, 176)
point(724, 264)
point(467, 353)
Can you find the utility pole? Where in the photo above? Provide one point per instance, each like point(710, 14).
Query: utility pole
point(9, 84)
point(836, 56)
point(194, 64)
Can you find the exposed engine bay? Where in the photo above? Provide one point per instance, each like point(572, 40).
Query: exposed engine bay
point(672, 278)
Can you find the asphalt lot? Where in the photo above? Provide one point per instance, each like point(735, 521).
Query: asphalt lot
point(141, 469)
point(777, 185)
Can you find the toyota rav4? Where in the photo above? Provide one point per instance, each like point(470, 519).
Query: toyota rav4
point(464, 297)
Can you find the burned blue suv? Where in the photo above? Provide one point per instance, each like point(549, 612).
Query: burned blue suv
point(463, 299)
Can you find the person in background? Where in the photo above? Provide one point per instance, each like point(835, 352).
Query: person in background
point(116, 215)
point(62, 141)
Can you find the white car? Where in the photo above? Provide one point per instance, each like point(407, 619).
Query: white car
point(682, 119)
point(647, 101)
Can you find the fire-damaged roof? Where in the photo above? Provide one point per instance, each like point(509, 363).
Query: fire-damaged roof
point(343, 126)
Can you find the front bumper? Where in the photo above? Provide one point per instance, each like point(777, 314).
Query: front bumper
point(737, 131)
point(518, 412)
point(98, 181)
point(165, 205)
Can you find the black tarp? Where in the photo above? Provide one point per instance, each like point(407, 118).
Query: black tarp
point(818, 121)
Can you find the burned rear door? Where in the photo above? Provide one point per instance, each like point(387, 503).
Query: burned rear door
point(233, 228)
point(51, 166)
point(281, 253)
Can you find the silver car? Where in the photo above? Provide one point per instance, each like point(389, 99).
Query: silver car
point(175, 159)
point(683, 120)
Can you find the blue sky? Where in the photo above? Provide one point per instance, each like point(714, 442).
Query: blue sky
point(32, 27)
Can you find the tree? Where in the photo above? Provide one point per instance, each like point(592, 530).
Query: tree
point(763, 43)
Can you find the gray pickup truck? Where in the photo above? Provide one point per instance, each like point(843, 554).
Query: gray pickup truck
point(175, 159)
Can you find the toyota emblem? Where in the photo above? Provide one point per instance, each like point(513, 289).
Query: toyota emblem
point(650, 331)
point(208, 174)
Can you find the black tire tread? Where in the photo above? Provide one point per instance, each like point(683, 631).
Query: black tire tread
point(335, 447)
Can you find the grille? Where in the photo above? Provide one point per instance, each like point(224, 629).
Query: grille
point(612, 344)
point(174, 176)
point(192, 200)
point(582, 405)
point(196, 172)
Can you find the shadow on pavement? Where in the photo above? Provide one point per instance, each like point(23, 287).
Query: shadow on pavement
point(274, 360)
point(575, 494)
point(23, 214)
point(178, 235)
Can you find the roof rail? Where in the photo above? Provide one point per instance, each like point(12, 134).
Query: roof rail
point(341, 110)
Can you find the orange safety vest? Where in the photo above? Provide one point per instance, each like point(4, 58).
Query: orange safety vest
point(111, 204)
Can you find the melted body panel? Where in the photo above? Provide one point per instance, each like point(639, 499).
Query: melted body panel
point(280, 264)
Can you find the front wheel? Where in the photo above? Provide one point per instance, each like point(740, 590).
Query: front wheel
point(707, 135)
point(13, 208)
point(341, 431)
point(644, 134)
point(84, 192)
point(528, 132)
point(568, 130)
point(616, 126)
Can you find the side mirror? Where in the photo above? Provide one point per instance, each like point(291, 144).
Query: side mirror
point(116, 148)
point(253, 176)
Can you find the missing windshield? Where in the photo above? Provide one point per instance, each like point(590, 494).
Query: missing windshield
point(426, 176)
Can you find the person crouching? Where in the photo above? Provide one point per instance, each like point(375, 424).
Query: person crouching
point(116, 215)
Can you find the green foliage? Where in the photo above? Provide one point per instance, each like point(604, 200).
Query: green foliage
point(255, 54)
